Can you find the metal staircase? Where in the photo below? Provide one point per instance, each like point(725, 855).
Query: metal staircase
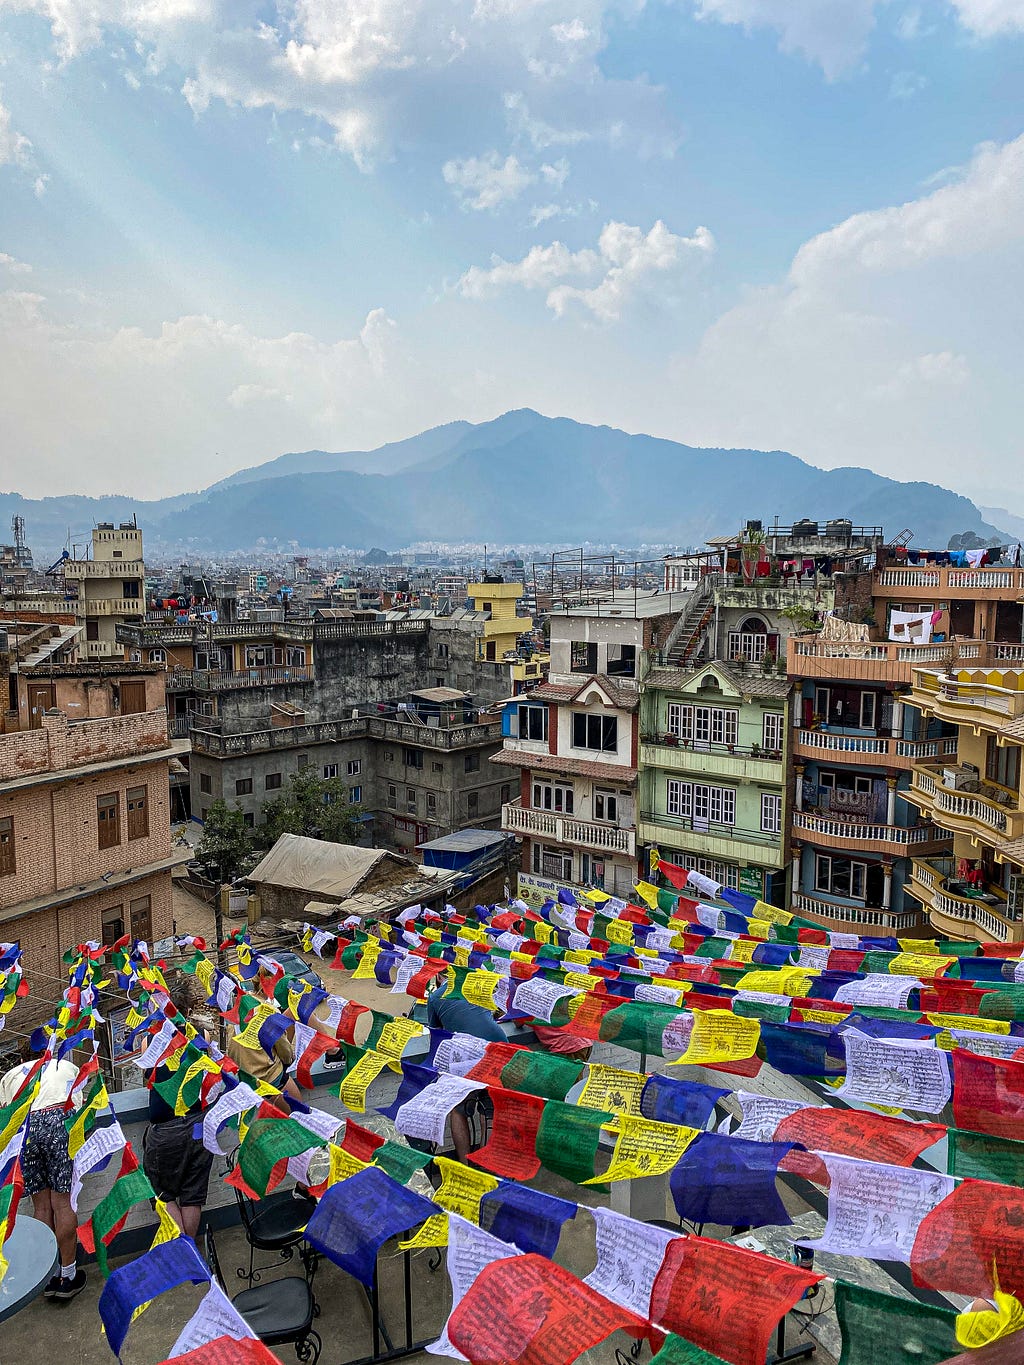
point(690, 631)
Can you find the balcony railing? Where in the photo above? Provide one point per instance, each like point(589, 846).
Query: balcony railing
point(961, 810)
point(107, 606)
point(872, 749)
point(952, 699)
point(333, 731)
point(103, 568)
point(931, 877)
point(566, 829)
point(702, 746)
point(854, 914)
point(941, 579)
point(213, 680)
point(898, 835)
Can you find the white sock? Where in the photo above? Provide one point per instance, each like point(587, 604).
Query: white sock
point(67, 1272)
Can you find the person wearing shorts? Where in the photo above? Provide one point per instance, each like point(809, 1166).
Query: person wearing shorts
point(176, 1164)
point(47, 1168)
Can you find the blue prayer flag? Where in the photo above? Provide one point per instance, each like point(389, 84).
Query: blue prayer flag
point(356, 1217)
point(729, 1181)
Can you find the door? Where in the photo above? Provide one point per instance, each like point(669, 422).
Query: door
point(133, 698)
point(41, 697)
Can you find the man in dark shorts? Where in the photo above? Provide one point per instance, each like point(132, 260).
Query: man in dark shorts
point(456, 1015)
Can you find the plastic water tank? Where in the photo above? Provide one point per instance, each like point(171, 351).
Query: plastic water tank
point(805, 528)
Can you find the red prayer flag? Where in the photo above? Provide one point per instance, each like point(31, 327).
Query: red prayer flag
point(336, 963)
point(857, 1133)
point(228, 1351)
point(724, 1298)
point(490, 1066)
point(347, 1022)
point(811, 936)
point(527, 1310)
point(586, 1022)
point(845, 960)
point(360, 1142)
point(988, 1094)
point(316, 1047)
point(973, 1236)
point(675, 874)
point(511, 1150)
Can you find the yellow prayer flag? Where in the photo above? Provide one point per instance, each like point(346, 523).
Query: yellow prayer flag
point(250, 1035)
point(620, 931)
point(918, 964)
point(431, 933)
point(648, 894)
point(343, 1164)
point(759, 928)
point(356, 1082)
point(785, 981)
point(367, 958)
point(644, 1147)
point(462, 1188)
point(822, 1016)
point(204, 973)
point(203, 1063)
point(397, 1035)
point(720, 1036)
point(521, 957)
point(461, 956)
point(970, 1023)
point(923, 947)
point(608, 1088)
point(580, 957)
point(20, 1116)
point(742, 950)
point(598, 896)
point(580, 982)
point(479, 987)
point(542, 932)
point(990, 1324)
point(432, 1233)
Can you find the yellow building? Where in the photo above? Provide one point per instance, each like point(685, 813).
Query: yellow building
point(111, 588)
point(978, 892)
point(499, 638)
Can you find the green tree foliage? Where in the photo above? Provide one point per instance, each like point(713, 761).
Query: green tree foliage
point(226, 847)
point(315, 806)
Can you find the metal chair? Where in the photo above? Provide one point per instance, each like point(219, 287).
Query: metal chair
point(280, 1312)
point(275, 1224)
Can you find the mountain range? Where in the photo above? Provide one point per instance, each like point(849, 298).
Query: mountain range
point(522, 478)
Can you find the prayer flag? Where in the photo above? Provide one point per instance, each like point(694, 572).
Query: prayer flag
point(355, 1217)
point(110, 1214)
point(878, 1327)
point(144, 1279)
point(729, 1180)
point(988, 1094)
point(972, 1241)
point(511, 1149)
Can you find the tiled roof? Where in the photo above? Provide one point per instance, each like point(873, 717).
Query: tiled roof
point(750, 681)
point(622, 698)
point(554, 763)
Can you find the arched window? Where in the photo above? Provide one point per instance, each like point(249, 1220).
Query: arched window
point(752, 641)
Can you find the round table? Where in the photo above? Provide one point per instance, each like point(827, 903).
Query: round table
point(31, 1251)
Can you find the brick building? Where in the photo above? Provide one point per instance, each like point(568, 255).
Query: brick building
point(85, 841)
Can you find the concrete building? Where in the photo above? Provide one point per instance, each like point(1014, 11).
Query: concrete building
point(976, 890)
point(575, 743)
point(85, 841)
point(713, 747)
point(500, 638)
point(110, 587)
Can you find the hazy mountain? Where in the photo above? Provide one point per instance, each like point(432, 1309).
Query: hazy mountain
point(521, 477)
point(1010, 522)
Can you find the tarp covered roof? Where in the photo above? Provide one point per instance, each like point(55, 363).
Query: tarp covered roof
point(322, 868)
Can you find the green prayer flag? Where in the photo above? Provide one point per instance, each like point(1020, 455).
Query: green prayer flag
point(539, 1073)
point(400, 1163)
point(761, 1009)
point(668, 900)
point(879, 1327)
point(677, 1351)
point(785, 933)
point(713, 947)
point(1004, 1001)
point(953, 947)
point(981, 1157)
point(380, 1023)
point(568, 1138)
point(638, 1026)
point(350, 956)
point(269, 1141)
point(127, 1191)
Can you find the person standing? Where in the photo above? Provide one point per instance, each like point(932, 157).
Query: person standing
point(46, 1166)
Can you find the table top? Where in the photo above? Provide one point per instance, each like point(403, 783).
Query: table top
point(31, 1251)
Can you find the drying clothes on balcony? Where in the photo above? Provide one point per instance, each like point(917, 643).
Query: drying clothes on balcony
point(835, 628)
point(911, 627)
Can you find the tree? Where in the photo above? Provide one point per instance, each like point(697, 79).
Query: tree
point(226, 847)
point(315, 806)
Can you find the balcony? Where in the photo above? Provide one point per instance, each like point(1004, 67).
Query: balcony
point(956, 914)
point(856, 837)
point(877, 661)
point(869, 750)
point(722, 760)
point(564, 829)
point(334, 731)
point(203, 680)
point(983, 705)
point(103, 568)
point(834, 914)
point(996, 582)
point(988, 816)
point(720, 841)
point(108, 606)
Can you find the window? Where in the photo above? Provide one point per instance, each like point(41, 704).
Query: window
point(108, 820)
point(389, 755)
point(552, 862)
point(272, 782)
point(207, 659)
point(437, 767)
point(330, 770)
point(849, 782)
point(135, 656)
point(533, 722)
point(822, 702)
point(868, 702)
point(392, 794)
point(471, 763)
point(412, 758)
point(355, 767)
point(556, 796)
point(410, 800)
point(355, 795)
point(725, 873)
point(472, 803)
point(771, 813)
point(606, 806)
point(840, 876)
point(205, 783)
point(302, 762)
point(8, 856)
point(140, 918)
point(506, 792)
point(703, 804)
point(583, 656)
point(622, 661)
point(92, 629)
point(138, 812)
point(442, 651)
point(431, 804)
point(112, 922)
point(249, 819)
point(130, 588)
point(702, 725)
point(1002, 764)
point(749, 643)
point(243, 786)
point(771, 731)
point(157, 656)
point(595, 732)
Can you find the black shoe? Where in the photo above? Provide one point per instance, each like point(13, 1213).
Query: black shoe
point(70, 1289)
point(51, 1286)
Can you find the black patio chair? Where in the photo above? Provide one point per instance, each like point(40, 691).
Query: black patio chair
point(275, 1224)
point(280, 1312)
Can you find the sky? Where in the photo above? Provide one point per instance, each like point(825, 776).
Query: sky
point(234, 228)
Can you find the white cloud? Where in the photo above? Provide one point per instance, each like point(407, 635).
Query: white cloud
point(893, 340)
point(833, 33)
point(627, 263)
point(15, 148)
point(904, 85)
point(485, 182)
point(13, 266)
point(987, 18)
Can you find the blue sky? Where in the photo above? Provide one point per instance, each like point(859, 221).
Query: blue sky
point(229, 230)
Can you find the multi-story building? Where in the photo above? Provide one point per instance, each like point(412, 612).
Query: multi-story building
point(712, 773)
point(110, 584)
point(85, 840)
point(976, 889)
point(500, 638)
point(575, 741)
point(865, 833)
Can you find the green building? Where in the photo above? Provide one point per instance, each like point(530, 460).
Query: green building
point(713, 773)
